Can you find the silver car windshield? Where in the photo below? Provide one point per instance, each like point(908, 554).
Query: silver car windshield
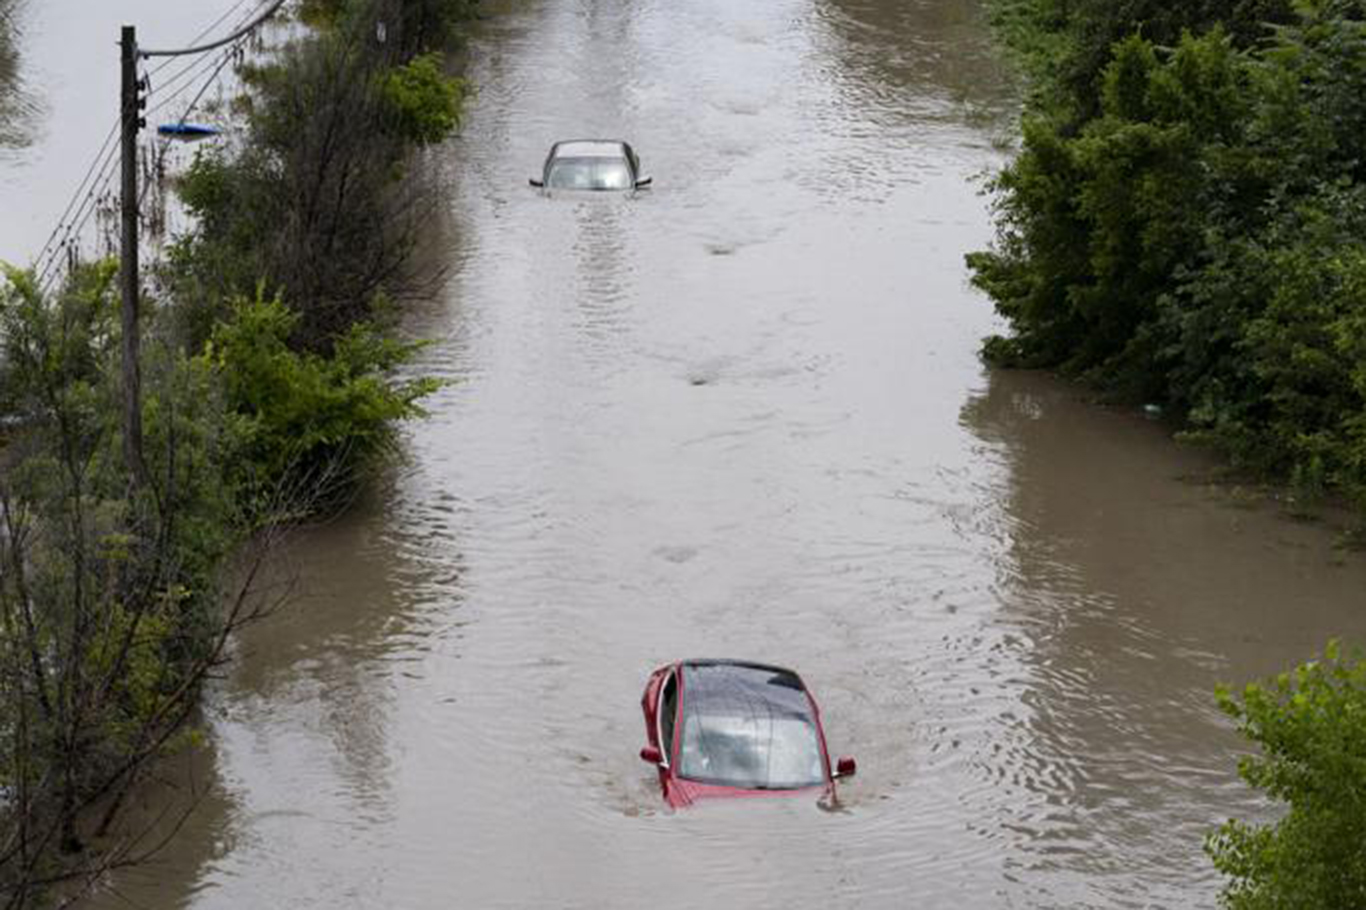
point(756, 750)
point(589, 174)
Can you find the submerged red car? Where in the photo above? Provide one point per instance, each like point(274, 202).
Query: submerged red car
point(730, 728)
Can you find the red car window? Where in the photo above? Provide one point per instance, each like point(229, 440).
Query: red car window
point(750, 727)
point(668, 712)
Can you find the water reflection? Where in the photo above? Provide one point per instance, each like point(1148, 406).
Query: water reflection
point(603, 256)
point(302, 727)
point(943, 65)
point(890, 111)
point(1129, 590)
point(188, 809)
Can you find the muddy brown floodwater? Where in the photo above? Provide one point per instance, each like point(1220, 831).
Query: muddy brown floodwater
point(741, 414)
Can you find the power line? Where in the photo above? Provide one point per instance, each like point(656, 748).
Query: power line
point(226, 56)
point(113, 131)
point(162, 144)
point(220, 42)
point(89, 204)
point(72, 229)
point(200, 60)
point(230, 54)
point(217, 61)
point(199, 37)
point(93, 188)
point(185, 74)
point(99, 162)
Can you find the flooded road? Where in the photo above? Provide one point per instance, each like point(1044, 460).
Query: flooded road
point(741, 415)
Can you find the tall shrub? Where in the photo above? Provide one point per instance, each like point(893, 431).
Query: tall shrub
point(1310, 728)
point(1190, 236)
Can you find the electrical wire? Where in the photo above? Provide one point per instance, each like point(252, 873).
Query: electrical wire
point(244, 30)
point(218, 61)
point(96, 163)
point(71, 238)
point(185, 75)
point(201, 61)
point(164, 142)
point(199, 37)
point(99, 162)
point(94, 185)
point(227, 56)
point(88, 204)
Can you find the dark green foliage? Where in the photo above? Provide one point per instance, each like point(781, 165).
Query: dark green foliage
point(1095, 225)
point(1067, 43)
point(301, 417)
point(1189, 232)
point(304, 232)
point(1311, 727)
point(425, 103)
point(411, 27)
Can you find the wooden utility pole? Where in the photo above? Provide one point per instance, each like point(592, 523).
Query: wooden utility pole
point(132, 103)
point(128, 262)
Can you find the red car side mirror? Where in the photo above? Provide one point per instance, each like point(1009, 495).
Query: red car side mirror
point(845, 767)
point(651, 755)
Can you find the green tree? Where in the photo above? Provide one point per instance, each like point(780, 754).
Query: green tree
point(302, 418)
point(1093, 226)
point(1311, 727)
point(113, 610)
point(425, 102)
point(326, 197)
point(1189, 229)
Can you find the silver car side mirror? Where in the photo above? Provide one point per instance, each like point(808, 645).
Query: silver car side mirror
point(644, 182)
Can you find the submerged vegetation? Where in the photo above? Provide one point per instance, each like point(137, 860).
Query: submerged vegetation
point(1183, 225)
point(113, 608)
point(270, 388)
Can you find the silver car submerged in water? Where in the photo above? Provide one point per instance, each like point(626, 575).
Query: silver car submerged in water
point(591, 164)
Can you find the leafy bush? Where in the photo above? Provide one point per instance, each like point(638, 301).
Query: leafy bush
point(426, 103)
point(1066, 45)
point(303, 415)
point(1311, 727)
point(114, 602)
point(1189, 232)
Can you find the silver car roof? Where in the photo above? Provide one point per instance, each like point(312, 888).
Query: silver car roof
point(590, 148)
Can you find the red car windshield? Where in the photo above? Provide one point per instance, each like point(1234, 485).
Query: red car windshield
point(748, 727)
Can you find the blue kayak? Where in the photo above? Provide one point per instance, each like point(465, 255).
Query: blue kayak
point(187, 130)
